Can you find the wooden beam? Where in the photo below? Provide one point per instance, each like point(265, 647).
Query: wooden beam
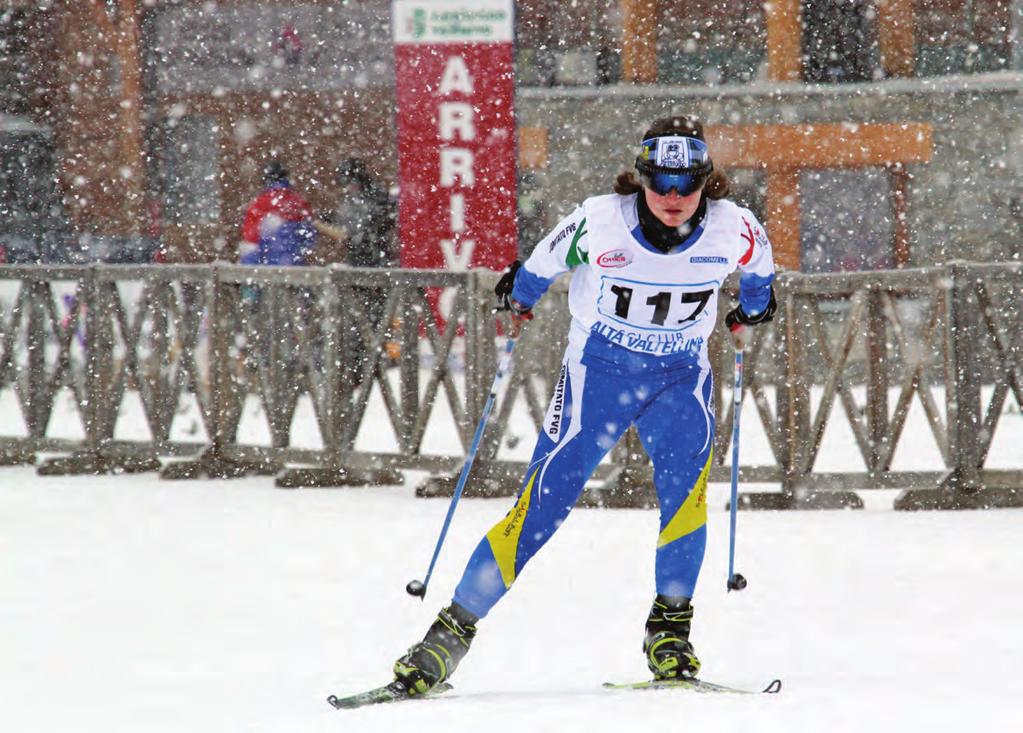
point(533, 150)
point(899, 178)
point(784, 40)
point(639, 41)
point(896, 31)
point(128, 47)
point(785, 150)
point(123, 39)
point(106, 26)
point(819, 146)
point(783, 225)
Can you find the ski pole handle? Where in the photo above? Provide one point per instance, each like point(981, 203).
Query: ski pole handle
point(741, 335)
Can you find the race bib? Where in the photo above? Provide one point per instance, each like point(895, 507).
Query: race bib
point(654, 317)
point(654, 306)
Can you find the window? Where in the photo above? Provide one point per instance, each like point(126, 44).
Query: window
point(840, 41)
point(711, 41)
point(963, 36)
point(192, 170)
point(846, 220)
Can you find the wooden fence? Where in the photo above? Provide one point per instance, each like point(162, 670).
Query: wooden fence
point(221, 337)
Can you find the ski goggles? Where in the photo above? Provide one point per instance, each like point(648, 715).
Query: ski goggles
point(679, 163)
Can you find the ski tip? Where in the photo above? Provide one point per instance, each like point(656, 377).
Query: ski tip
point(334, 703)
point(773, 688)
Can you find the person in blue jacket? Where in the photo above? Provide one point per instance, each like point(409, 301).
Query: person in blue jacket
point(278, 228)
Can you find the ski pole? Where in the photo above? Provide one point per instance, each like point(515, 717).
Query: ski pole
point(735, 580)
point(416, 588)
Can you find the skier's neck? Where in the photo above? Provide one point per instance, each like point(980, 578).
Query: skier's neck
point(659, 234)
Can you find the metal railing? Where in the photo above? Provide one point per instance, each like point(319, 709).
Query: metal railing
point(127, 348)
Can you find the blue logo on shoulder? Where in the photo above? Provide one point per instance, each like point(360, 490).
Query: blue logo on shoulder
point(706, 260)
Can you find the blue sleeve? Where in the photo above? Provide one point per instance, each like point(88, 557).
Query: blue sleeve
point(529, 288)
point(754, 292)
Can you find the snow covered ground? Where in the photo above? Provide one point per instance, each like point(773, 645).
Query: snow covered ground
point(136, 605)
point(132, 604)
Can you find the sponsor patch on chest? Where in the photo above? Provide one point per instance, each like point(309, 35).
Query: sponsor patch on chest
point(614, 258)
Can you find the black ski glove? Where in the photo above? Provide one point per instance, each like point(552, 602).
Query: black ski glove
point(737, 317)
point(503, 291)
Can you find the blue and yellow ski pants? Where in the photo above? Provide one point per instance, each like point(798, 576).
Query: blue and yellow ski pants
point(590, 410)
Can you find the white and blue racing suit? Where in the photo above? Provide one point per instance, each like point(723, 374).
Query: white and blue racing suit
point(637, 355)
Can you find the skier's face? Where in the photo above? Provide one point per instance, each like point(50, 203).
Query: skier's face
point(671, 209)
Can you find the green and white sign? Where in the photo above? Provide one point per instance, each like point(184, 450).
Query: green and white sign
point(453, 21)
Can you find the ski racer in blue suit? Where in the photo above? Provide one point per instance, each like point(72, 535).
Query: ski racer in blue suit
point(647, 264)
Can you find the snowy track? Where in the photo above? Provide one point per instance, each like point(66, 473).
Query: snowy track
point(132, 604)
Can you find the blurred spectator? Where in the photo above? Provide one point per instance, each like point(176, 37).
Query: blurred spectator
point(365, 216)
point(278, 230)
point(532, 214)
point(365, 219)
point(278, 227)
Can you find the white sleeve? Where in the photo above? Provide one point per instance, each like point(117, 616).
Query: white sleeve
point(756, 265)
point(755, 254)
point(564, 248)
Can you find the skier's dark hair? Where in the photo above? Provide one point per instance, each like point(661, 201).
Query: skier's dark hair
point(717, 186)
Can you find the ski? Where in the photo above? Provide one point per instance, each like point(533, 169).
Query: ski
point(695, 685)
point(393, 692)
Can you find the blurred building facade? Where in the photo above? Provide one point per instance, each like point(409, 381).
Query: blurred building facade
point(137, 128)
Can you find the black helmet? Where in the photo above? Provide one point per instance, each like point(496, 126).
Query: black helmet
point(274, 172)
point(351, 169)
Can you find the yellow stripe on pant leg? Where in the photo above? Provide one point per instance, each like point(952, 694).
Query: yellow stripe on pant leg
point(504, 537)
point(692, 514)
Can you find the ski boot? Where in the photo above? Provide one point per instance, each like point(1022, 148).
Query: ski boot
point(434, 659)
point(669, 655)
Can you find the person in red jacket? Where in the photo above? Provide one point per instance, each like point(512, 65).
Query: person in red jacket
point(278, 227)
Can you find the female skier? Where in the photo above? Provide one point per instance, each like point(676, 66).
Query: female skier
point(647, 264)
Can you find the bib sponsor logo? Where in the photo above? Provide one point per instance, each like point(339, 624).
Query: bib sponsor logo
point(658, 344)
point(709, 260)
point(615, 258)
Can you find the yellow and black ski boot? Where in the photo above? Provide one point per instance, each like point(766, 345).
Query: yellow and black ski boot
point(434, 659)
point(669, 655)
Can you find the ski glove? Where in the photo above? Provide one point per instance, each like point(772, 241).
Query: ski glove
point(503, 291)
point(737, 317)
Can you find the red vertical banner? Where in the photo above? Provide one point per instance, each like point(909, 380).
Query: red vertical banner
point(456, 133)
